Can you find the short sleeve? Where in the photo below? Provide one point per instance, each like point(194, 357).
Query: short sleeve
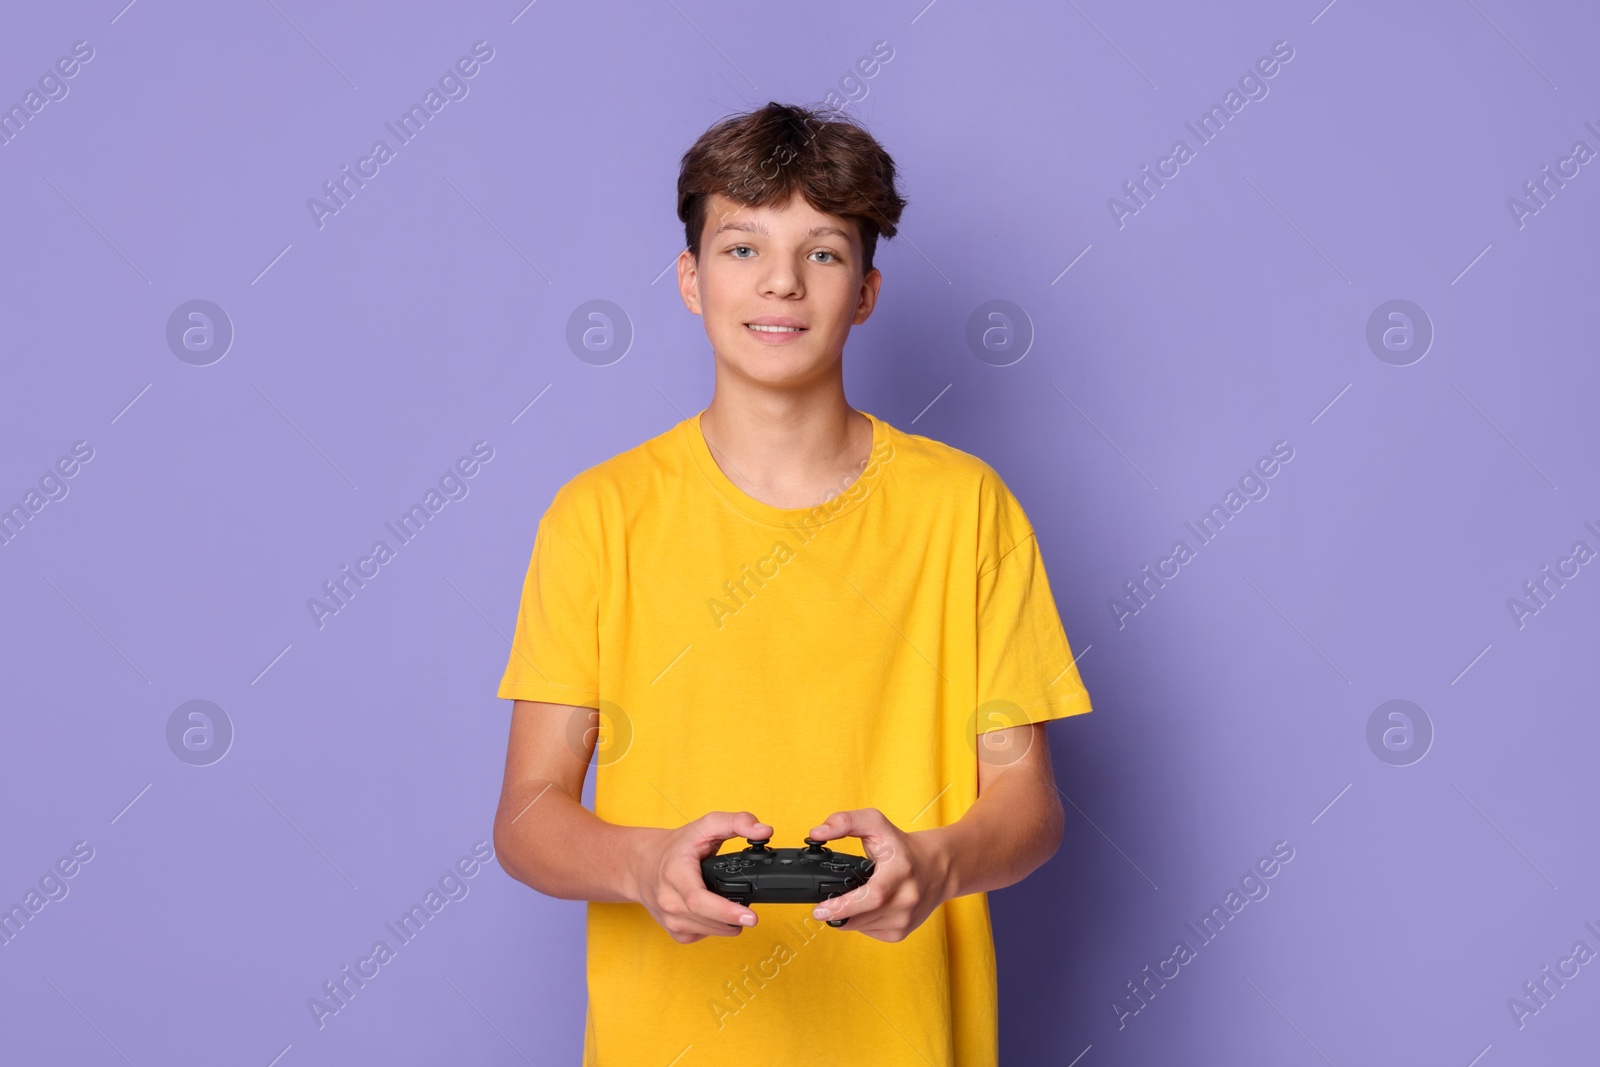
point(555, 651)
point(1025, 670)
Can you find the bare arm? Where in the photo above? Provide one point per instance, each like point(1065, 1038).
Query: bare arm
point(545, 837)
point(1016, 823)
point(1012, 828)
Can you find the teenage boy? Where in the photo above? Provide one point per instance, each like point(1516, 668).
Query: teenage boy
point(785, 607)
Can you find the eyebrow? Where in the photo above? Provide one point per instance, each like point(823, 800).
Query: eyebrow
point(755, 227)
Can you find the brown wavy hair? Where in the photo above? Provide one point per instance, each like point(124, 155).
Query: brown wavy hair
point(763, 157)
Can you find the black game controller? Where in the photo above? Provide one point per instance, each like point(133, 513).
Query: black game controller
point(762, 875)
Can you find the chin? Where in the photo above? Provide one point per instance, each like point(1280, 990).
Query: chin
point(788, 374)
point(777, 368)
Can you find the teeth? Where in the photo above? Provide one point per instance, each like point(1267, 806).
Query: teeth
point(774, 329)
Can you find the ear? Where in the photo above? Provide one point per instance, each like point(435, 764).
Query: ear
point(689, 281)
point(869, 296)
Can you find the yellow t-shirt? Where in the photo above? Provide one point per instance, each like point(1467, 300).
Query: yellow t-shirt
point(792, 662)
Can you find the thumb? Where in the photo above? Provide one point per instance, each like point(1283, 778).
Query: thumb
point(718, 826)
point(747, 825)
point(841, 824)
point(871, 825)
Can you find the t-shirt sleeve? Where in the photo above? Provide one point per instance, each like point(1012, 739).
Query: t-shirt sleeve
point(1026, 671)
point(555, 651)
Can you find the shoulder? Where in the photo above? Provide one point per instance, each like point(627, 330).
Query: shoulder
point(603, 491)
point(965, 480)
point(926, 459)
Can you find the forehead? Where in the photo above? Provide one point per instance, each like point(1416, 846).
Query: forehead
point(797, 217)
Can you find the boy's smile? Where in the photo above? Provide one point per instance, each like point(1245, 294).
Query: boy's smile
point(778, 288)
point(776, 329)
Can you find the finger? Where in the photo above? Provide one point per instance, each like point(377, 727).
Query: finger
point(700, 927)
point(709, 912)
point(721, 915)
point(869, 824)
point(689, 930)
point(688, 880)
point(878, 922)
point(717, 826)
point(839, 824)
point(858, 902)
point(690, 913)
point(859, 822)
point(829, 827)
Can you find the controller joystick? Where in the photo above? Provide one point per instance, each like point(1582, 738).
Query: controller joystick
point(762, 875)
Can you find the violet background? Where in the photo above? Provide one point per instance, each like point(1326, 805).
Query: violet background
point(1228, 314)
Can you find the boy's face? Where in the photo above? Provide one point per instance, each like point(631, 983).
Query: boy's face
point(791, 265)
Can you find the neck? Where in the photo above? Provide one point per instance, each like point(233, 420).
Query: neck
point(786, 448)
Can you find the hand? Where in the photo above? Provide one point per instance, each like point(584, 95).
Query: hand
point(908, 882)
point(668, 881)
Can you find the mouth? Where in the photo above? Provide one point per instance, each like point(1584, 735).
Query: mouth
point(762, 328)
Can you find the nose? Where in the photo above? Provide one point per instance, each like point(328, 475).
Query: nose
point(781, 280)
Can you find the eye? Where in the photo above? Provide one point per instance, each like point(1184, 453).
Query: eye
point(736, 248)
point(825, 252)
